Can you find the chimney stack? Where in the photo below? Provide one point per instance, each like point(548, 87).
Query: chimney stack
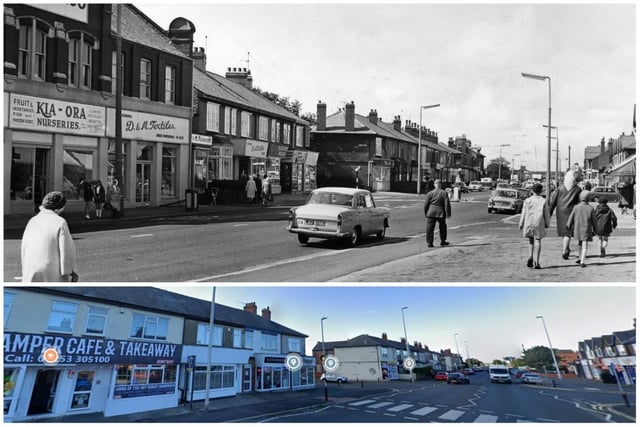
point(397, 124)
point(266, 313)
point(350, 117)
point(373, 116)
point(384, 336)
point(251, 307)
point(321, 116)
point(199, 59)
point(240, 75)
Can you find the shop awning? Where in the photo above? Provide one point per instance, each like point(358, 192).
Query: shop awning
point(222, 140)
point(626, 168)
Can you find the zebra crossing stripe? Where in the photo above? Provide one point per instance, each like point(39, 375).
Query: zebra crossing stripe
point(362, 402)
point(380, 405)
point(424, 411)
point(451, 415)
point(485, 418)
point(399, 408)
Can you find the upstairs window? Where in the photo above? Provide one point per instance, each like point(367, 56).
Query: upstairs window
point(114, 75)
point(149, 327)
point(145, 79)
point(275, 130)
point(213, 117)
point(263, 128)
point(286, 134)
point(62, 316)
point(80, 60)
point(32, 49)
point(170, 85)
point(299, 136)
point(230, 121)
point(96, 320)
point(245, 125)
point(9, 298)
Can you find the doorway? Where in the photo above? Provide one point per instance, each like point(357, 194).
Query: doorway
point(143, 182)
point(44, 392)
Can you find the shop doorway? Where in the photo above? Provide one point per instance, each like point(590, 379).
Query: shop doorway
point(44, 392)
point(143, 182)
point(246, 378)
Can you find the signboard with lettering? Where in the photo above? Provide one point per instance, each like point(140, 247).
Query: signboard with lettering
point(28, 349)
point(143, 390)
point(77, 11)
point(149, 127)
point(50, 115)
point(201, 139)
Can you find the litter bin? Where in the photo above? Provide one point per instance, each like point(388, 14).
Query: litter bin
point(191, 200)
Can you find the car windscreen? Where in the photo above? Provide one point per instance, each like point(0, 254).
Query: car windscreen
point(504, 193)
point(322, 198)
point(498, 371)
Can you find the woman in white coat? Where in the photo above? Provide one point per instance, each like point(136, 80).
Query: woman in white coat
point(48, 252)
point(251, 190)
point(534, 220)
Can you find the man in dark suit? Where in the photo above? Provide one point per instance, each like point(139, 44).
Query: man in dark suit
point(437, 208)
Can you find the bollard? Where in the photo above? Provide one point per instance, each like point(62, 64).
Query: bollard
point(361, 384)
point(553, 382)
point(626, 400)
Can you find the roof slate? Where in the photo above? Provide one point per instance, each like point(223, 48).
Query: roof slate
point(159, 300)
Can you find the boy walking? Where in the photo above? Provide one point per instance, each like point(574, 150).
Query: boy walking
point(582, 219)
point(534, 220)
point(606, 222)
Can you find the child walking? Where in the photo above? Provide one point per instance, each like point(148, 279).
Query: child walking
point(582, 219)
point(606, 222)
point(534, 220)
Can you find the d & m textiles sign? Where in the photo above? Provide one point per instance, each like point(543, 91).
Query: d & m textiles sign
point(28, 349)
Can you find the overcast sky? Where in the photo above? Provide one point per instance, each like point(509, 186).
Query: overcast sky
point(466, 57)
point(493, 321)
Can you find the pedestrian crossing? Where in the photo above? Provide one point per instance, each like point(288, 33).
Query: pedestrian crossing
point(437, 413)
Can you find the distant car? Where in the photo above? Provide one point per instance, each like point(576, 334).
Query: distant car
point(608, 193)
point(334, 378)
point(507, 199)
point(467, 371)
point(441, 376)
point(457, 378)
point(529, 378)
point(476, 186)
point(338, 213)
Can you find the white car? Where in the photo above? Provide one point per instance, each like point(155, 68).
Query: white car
point(338, 212)
point(529, 378)
point(334, 378)
point(476, 186)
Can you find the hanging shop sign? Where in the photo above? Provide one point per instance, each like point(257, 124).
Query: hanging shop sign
point(52, 115)
point(30, 349)
point(201, 139)
point(149, 127)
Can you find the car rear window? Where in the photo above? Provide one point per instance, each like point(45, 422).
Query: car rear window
point(330, 199)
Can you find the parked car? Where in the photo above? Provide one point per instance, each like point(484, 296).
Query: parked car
point(441, 376)
point(608, 193)
point(334, 378)
point(336, 213)
point(467, 371)
point(529, 378)
point(476, 186)
point(463, 187)
point(457, 378)
point(507, 199)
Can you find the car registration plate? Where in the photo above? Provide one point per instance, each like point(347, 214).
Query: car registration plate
point(317, 223)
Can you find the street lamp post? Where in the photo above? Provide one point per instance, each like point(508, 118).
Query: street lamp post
point(422, 107)
point(543, 78)
point(404, 325)
point(455, 337)
point(326, 392)
point(553, 354)
point(557, 150)
point(466, 344)
point(500, 160)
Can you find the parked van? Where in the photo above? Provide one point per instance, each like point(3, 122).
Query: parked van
point(488, 183)
point(499, 374)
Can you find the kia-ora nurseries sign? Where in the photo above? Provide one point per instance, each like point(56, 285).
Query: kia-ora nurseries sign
point(338, 213)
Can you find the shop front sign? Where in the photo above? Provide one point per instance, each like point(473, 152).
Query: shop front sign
point(29, 349)
point(202, 139)
point(143, 390)
point(51, 115)
point(149, 127)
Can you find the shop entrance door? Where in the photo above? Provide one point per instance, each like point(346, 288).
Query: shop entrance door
point(246, 378)
point(143, 182)
point(44, 392)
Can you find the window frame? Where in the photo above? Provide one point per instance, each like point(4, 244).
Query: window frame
point(72, 314)
point(8, 299)
point(105, 317)
point(149, 319)
point(170, 73)
point(213, 117)
point(145, 78)
point(32, 58)
point(114, 77)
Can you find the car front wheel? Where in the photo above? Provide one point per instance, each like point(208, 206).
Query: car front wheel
point(303, 238)
point(380, 234)
point(354, 239)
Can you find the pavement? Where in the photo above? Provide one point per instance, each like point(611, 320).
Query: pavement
point(253, 406)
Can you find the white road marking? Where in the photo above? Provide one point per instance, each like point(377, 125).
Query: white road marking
point(380, 405)
point(399, 408)
point(142, 235)
point(451, 415)
point(362, 402)
point(424, 411)
point(485, 418)
point(240, 225)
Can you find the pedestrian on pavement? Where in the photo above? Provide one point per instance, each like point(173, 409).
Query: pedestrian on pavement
point(606, 222)
point(562, 200)
point(623, 203)
point(87, 195)
point(437, 208)
point(99, 197)
point(266, 190)
point(582, 221)
point(534, 220)
point(258, 188)
point(250, 189)
point(48, 253)
point(113, 198)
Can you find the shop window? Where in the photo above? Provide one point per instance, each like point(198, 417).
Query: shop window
point(80, 59)
point(29, 173)
point(169, 175)
point(82, 390)
point(149, 380)
point(114, 76)
point(124, 374)
point(10, 379)
point(96, 320)
point(145, 79)
point(213, 117)
point(220, 376)
point(9, 298)
point(32, 49)
point(149, 327)
point(62, 316)
point(221, 163)
point(111, 163)
point(200, 168)
point(77, 165)
point(170, 84)
point(263, 128)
